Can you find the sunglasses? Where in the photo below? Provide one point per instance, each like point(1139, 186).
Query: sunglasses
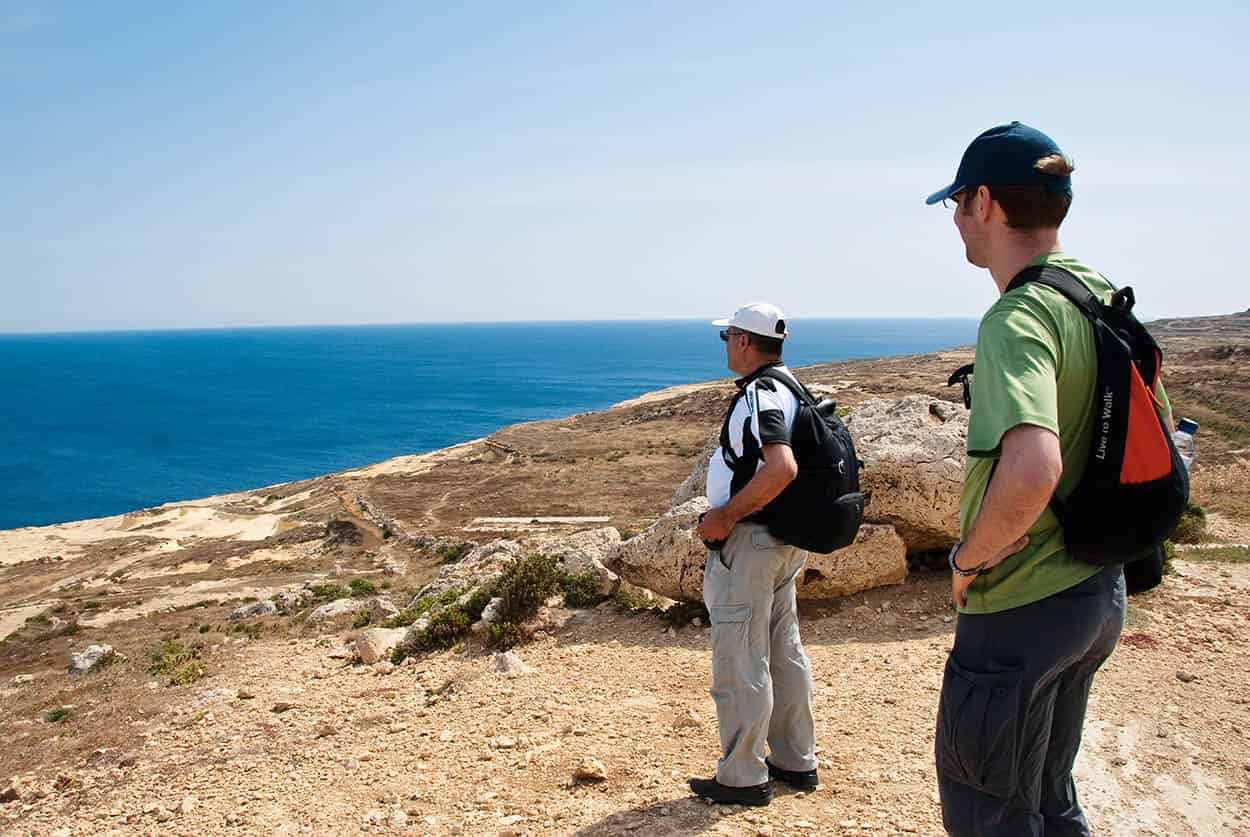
point(726, 333)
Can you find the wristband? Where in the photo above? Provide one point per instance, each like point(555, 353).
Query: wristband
point(977, 570)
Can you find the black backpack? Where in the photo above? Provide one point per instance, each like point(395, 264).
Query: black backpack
point(821, 510)
point(1135, 486)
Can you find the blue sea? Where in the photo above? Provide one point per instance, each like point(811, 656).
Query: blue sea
point(95, 424)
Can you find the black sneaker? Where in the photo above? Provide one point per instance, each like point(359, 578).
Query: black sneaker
point(758, 795)
point(801, 779)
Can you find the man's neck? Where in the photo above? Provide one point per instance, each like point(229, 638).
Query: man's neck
point(1019, 253)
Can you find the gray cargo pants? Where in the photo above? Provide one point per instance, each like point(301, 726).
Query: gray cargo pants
point(761, 676)
point(1013, 707)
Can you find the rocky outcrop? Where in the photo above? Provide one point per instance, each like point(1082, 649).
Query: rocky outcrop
point(92, 657)
point(877, 557)
point(480, 565)
point(914, 450)
point(584, 553)
point(378, 607)
point(249, 611)
point(667, 557)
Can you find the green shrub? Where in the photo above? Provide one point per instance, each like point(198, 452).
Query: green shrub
point(1192, 526)
point(504, 634)
point(179, 662)
point(205, 628)
point(524, 585)
point(451, 553)
point(251, 630)
point(329, 592)
point(55, 716)
point(90, 605)
point(70, 628)
point(581, 590)
point(362, 619)
point(631, 598)
point(445, 629)
point(448, 624)
point(683, 613)
point(362, 588)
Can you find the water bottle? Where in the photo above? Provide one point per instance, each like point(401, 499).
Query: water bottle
point(1183, 438)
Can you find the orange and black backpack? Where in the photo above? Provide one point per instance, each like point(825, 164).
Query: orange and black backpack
point(1135, 486)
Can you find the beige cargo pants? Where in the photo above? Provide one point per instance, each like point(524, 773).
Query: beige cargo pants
point(761, 676)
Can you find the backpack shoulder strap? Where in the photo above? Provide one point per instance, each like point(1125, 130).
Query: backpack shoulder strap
point(800, 392)
point(1063, 282)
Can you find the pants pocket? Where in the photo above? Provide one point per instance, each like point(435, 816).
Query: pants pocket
point(730, 631)
point(978, 729)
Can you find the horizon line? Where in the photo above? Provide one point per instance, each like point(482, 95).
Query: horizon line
point(292, 326)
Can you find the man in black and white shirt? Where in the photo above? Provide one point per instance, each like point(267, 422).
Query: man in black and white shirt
point(761, 676)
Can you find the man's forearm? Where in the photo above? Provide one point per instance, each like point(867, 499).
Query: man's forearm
point(1018, 493)
point(758, 493)
point(778, 471)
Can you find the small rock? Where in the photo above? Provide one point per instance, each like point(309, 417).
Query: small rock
point(590, 770)
point(689, 719)
point(511, 820)
point(384, 668)
point(375, 817)
point(1186, 677)
point(282, 706)
point(377, 643)
point(23, 679)
point(9, 794)
point(127, 760)
point(187, 805)
point(162, 814)
point(446, 735)
point(398, 818)
point(947, 619)
point(323, 729)
point(502, 742)
point(509, 665)
point(244, 694)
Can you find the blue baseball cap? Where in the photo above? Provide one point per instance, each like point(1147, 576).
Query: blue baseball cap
point(1005, 156)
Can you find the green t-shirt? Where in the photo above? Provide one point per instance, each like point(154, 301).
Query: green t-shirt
point(1035, 364)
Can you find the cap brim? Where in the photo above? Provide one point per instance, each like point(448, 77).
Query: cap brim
point(723, 322)
point(943, 194)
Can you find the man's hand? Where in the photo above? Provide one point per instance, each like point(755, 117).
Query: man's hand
point(716, 525)
point(961, 583)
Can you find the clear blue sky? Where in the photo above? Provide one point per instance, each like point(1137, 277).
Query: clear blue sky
point(202, 164)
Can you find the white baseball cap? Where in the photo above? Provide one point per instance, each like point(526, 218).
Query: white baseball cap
point(758, 318)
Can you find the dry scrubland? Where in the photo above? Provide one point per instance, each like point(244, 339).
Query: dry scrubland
point(199, 724)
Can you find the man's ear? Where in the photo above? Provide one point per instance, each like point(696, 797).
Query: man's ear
point(984, 206)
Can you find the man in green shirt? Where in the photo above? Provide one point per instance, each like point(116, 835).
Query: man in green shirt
point(1035, 623)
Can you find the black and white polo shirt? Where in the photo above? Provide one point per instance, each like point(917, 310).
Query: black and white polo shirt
point(762, 413)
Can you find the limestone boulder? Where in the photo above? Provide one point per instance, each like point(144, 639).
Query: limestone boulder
point(264, 607)
point(92, 657)
point(877, 557)
point(378, 607)
point(378, 643)
point(914, 450)
point(667, 557)
point(584, 553)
